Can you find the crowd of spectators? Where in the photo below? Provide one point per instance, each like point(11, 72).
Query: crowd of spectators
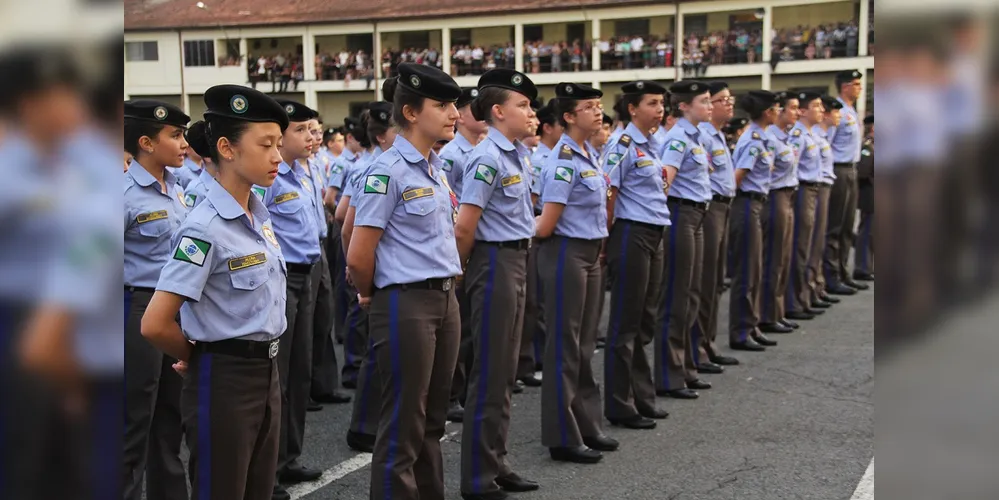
point(282, 70)
point(819, 42)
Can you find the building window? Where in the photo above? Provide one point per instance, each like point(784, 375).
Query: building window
point(461, 36)
point(199, 53)
point(533, 33)
point(631, 27)
point(142, 51)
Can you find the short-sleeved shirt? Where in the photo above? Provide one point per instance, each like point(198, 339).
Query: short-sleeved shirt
point(408, 197)
point(230, 269)
point(658, 138)
point(316, 183)
point(186, 173)
point(722, 171)
point(151, 217)
point(339, 170)
point(785, 173)
point(497, 181)
point(806, 147)
point(825, 155)
point(455, 157)
point(576, 181)
point(538, 159)
point(847, 137)
point(355, 177)
point(635, 170)
point(682, 149)
point(753, 153)
point(290, 203)
point(196, 191)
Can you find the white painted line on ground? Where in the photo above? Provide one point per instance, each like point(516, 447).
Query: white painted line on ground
point(865, 490)
point(342, 470)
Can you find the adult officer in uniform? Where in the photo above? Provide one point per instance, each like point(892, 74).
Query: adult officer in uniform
point(403, 260)
point(754, 160)
point(816, 278)
point(226, 277)
point(636, 209)
point(863, 258)
point(573, 224)
point(197, 140)
point(493, 232)
point(154, 208)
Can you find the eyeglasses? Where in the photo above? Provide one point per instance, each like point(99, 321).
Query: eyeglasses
point(725, 100)
point(597, 108)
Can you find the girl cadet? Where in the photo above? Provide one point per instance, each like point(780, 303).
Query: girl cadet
point(754, 160)
point(403, 260)
point(226, 276)
point(493, 232)
point(573, 224)
point(154, 209)
point(636, 207)
point(816, 278)
point(198, 141)
point(686, 173)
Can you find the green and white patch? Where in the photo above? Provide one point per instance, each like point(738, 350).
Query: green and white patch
point(192, 250)
point(485, 173)
point(448, 164)
point(377, 184)
point(563, 174)
point(613, 159)
point(677, 145)
point(754, 151)
point(190, 199)
point(259, 191)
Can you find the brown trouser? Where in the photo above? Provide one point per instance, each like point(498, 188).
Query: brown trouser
point(777, 222)
point(842, 219)
point(680, 297)
point(496, 281)
point(816, 278)
point(634, 264)
point(414, 335)
point(798, 295)
point(232, 414)
point(746, 240)
point(712, 277)
point(532, 337)
point(570, 396)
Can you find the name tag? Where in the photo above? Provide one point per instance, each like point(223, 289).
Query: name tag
point(413, 194)
point(644, 163)
point(247, 261)
point(281, 198)
point(718, 152)
point(151, 216)
point(509, 181)
point(588, 173)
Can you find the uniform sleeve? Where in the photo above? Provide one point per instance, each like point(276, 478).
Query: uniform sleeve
point(337, 171)
point(85, 260)
point(559, 177)
point(190, 264)
point(617, 163)
point(673, 152)
point(537, 166)
point(746, 155)
point(376, 197)
point(797, 145)
point(481, 176)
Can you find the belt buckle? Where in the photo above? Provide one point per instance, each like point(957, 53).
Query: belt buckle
point(446, 285)
point(272, 351)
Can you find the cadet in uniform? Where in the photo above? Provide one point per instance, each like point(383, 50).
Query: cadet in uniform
point(722, 176)
point(493, 232)
point(816, 278)
point(154, 209)
point(573, 224)
point(754, 162)
point(863, 258)
point(226, 276)
point(685, 169)
point(188, 172)
point(403, 260)
point(638, 215)
point(197, 140)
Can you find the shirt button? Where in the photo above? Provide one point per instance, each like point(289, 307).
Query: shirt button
point(251, 283)
point(272, 270)
point(260, 241)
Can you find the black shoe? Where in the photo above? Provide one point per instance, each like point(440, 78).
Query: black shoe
point(763, 340)
point(601, 443)
point(790, 324)
point(655, 413)
point(518, 387)
point(679, 394)
point(492, 495)
point(798, 315)
point(858, 286)
point(709, 368)
point(279, 493)
point(748, 345)
point(820, 304)
point(513, 482)
point(698, 384)
point(531, 380)
point(840, 289)
point(829, 298)
point(337, 398)
point(349, 383)
point(299, 474)
point(361, 442)
point(775, 328)
point(635, 422)
point(455, 413)
point(580, 455)
point(313, 406)
point(862, 276)
point(725, 360)
point(815, 312)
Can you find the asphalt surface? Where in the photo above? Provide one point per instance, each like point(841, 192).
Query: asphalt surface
point(795, 422)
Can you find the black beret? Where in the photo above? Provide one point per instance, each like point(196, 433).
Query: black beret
point(566, 90)
point(831, 103)
point(381, 112)
point(351, 126)
point(157, 112)
point(547, 113)
point(243, 103)
point(847, 76)
point(869, 120)
point(197, 138)
point(608, 120)
point(536, 104)
point(734, 125)
point(510, 80)
point(642, 87)
point(806, 97)
point(688, 87)
point(30, 69)
point(428, 82)
point(758, 101)
point(468, 94)
point(716, 87)
point(297, 112)
point(388, 88)
point(784, 96)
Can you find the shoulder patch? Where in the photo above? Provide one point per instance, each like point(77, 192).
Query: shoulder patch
point(259, 191)
point(247, 261)
point(613, 159)
point(281, 198)
point(413, 194)
point(376, 184)
point(485, 173)
point(625, 140)
point(677, 145)
point(756, 135)
point(795, 133)
point(447, 165)
point(563, 174)
point(565, 153)
point(192, 250)
point(190, 199)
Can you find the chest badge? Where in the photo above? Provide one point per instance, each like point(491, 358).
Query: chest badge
point(269, 234)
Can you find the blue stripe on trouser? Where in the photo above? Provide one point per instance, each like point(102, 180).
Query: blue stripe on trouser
point(695, 342)
point(351, 335)
point(747, 248)
point(483, 360)
point(393, 431)
point(538, 340)
point(366, 390)
point(205, 427)
point(865, 238)
point(106, 449)
point(790, 291)
point(768, 249)
point(610, 349)
point(668, 306)
point(559, 326)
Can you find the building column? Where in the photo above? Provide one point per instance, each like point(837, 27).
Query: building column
point(595, 38)
point(862, 38)
point(768, 27)
point(446, 50)
point(244, 54)
point(678, 46)
point(185, 102)
point(861, 105)
point(518, 44)
point(377, 62)
point(765, 80)
point(309, 56)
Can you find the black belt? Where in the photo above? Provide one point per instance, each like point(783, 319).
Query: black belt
point(438, 284)
point(250, 349)
point(751, 195)
point(844, 165)
point(810, 183)
point(645, 225)
point(683, 201)
point(515, 244)
point(722, 199)
point(133, 289)
point(788, 188)
point(300, 268)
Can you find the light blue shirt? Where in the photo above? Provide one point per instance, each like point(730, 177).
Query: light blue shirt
point(196, 191)
point(291, 205)
point(497, 181)
point(722, 172)
point(682, 149)
point(538, 159)
point(635, 170)
point(187, 173)
point(455, 157)
point(825, 155)
point(573, 180)
point(231, 271)
point(753, 152)
point(316, 183)
point(317, 167)
point(847, 137)
point(409, 198)
point(338, 171)
point(785, 173)
point(807, 149)
point(151, 217)
point(357, 173)
point(658, 139)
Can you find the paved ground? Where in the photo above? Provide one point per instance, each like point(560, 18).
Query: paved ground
point(796, 422)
